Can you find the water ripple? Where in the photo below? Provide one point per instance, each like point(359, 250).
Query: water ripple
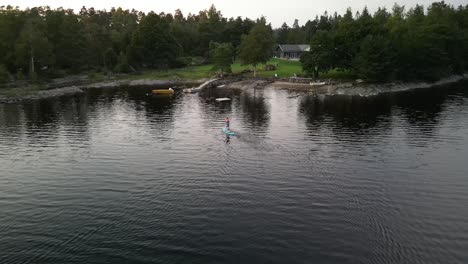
point(120, 177)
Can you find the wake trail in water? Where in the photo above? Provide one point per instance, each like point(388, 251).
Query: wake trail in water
point(260, 144)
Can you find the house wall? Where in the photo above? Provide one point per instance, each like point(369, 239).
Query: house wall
point(290, 55)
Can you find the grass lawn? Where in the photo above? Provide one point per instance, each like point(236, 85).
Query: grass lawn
point(284, 69)
point(191, 73)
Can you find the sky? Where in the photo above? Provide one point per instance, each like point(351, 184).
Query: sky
point(275, 11)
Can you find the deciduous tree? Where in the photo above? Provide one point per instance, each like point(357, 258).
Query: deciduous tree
point(222, 55)
point(257, 46)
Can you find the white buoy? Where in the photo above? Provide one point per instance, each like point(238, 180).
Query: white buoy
point(222, 99)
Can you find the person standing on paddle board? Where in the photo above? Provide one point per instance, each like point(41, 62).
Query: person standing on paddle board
point(227, 122)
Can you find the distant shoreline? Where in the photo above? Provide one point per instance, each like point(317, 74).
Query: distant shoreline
point(368, 89)
point(339, 88)
point(78, 89)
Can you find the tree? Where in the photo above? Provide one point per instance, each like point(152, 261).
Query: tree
point(122, 65)
point(346, 42)
point(309, 64)
point(320, 56)
point(418, 44)
point(283, 34)
point(123, 24)
point(186, 34)
point(11, 23)
point(153, 45)
point(97, 36)
point(222, 56)
point(4, 74)
point(375, 59)
point(33, 47)
point(257, 46)
point(65, 33)
point(310, 28)
point(110, 59)
point(234, 30)
point(295, 35)
point(211, 25)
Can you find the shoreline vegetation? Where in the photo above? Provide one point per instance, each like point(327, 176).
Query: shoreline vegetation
point(20, 94)
point(337, 83)
point(47, 52)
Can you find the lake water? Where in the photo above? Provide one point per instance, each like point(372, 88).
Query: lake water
point(115, 176)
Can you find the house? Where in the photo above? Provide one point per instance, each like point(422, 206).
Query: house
point(290, 51)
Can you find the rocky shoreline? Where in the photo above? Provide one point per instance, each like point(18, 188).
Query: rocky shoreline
point(42, 94)
point(344, 88)
point(365, 90)
point(77, 89)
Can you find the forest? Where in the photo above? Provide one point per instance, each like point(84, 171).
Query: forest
point(44, 42)
point(415, 44)
point(418, 44)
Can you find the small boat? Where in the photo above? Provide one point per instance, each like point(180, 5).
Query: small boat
point(317, 83)
point(222, 99)
point(227, 131)
point(163, 91)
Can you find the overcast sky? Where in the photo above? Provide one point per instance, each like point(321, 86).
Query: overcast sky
point(275, 11)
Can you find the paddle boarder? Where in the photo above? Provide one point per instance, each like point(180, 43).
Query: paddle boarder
point(227, 122)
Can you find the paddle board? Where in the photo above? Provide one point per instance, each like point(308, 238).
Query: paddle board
point(228, 132)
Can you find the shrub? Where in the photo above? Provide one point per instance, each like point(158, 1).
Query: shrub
point(122, 68)
point(188, 61)
point(198, 60)
point(4, 74)
point(183, 62)
point(270, 67)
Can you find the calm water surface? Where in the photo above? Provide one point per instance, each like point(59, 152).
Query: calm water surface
point(115, 176)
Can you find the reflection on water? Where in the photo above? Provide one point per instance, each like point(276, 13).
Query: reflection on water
point(117, 176)
point(255, 109)
point(356, 114)
point(419, 109)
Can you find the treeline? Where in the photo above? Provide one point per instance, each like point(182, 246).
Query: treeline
point(418, 44)
point(53, 42)
point(387, 45)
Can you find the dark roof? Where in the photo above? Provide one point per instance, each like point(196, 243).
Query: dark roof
point(294, 48)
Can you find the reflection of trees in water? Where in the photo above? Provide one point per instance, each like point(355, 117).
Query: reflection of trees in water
point(159, 106)
point(45, 119)
point(159, 111)
point(255, 109)
point(345, 113)
point(11, 116)
point(42, 117)
point(137, 94)
point(11, 123)
point(219, 109)
point(97, 96)
point(213, 110)
point(156, 108)
point(420, 108)
point(75, 116)
point(212, 93)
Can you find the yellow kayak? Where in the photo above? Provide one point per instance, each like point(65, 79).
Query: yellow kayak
point(163, 91)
